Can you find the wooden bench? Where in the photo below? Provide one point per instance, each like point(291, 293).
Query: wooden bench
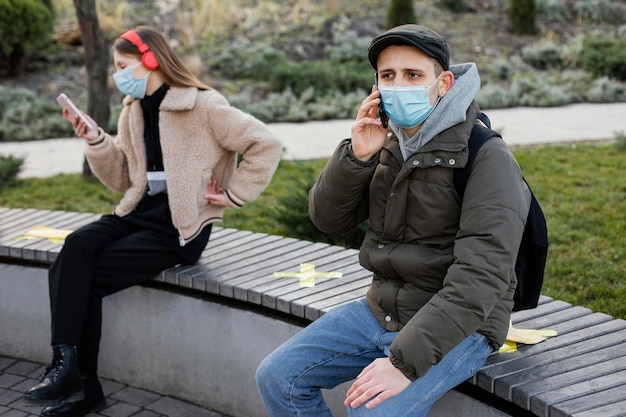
point(580, 373)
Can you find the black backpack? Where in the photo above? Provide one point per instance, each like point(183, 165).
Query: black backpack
point(533, 251)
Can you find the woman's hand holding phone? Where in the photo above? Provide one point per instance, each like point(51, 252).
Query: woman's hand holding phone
point(84, 126)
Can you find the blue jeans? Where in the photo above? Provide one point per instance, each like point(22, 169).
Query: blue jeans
point(336, 347)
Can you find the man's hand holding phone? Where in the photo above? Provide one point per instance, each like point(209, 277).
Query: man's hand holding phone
point(84, 126)
point(368, 132)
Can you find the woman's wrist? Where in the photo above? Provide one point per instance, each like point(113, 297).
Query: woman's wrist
point(98, 140)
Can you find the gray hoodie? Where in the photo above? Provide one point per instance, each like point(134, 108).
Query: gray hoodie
point(448, 112)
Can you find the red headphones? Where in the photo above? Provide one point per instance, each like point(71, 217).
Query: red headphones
point(148, 59)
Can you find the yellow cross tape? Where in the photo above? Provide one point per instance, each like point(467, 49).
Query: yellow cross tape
point(53, 235)
point(525, 336)
point(307, 275)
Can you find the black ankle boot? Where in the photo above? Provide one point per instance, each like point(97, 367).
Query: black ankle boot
point(60, 382)
point(93, 401)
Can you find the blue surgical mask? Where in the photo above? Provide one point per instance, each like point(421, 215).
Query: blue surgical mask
point(407, 106)
point(127, 83)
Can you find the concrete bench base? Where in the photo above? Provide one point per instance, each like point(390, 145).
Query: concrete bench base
point(201, 349)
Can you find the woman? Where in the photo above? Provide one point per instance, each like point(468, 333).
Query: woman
point(175, 160)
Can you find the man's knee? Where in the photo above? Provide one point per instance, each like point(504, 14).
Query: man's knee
point(266, 374)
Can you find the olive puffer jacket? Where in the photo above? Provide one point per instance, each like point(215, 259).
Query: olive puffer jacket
point(443, 268)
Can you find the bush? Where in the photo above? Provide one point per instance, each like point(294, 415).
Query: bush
point(25, 26)
point(537, 92)
point(502, 69)
point(605, 90)
point(492, 96)
point(292, 210)
point(603, 56)
point(620, 141)
point(324, 76)
point(248, 60)
point(542, 56)
point(598, 11)
point(347, 46)
point(346, 69)
point(10, 166)
point(553, 10)
point(287, 107)
point(25, 116)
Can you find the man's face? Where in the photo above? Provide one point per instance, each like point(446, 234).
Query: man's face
point(404, 66)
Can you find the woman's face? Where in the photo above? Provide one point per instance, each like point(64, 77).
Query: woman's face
point(122, 61)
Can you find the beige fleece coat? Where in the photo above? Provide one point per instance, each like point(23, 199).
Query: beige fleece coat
point(201, 136)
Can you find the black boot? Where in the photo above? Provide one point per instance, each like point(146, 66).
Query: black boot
point(94, 401)
point(61, 380)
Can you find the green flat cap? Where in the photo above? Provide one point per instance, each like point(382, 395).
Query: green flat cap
point(421, 37)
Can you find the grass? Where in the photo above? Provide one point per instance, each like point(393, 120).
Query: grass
point(580, 188)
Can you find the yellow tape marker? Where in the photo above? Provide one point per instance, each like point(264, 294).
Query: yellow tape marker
point(307, 275)
point(53, 235)
point(525, 336)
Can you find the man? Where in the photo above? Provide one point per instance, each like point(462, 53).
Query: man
point(444, 278)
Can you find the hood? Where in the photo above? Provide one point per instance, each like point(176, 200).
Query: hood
point(450, 110)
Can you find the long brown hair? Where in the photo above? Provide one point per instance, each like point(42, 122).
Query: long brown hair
point(175, 73)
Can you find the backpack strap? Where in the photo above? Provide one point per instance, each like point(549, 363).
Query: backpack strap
point(480, 134)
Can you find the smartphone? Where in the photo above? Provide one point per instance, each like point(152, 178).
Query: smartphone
point(384, 119)
point(64, 101)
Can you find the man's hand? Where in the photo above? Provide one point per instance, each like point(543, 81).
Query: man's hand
point(378, 382)
point(368, 133)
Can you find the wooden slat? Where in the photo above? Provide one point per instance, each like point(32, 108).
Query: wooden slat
point(582, 396)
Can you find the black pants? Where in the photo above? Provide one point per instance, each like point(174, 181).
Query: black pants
point(102, 258)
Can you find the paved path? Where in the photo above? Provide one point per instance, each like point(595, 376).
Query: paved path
point(312, 140)
point(17, 376)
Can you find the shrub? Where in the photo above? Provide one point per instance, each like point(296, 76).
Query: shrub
point(598, 11)
point(10, 167)
point(620, 141)
point(277, 107)
point(346, 70)
point(288, 107)
point(605, 90)
point(323, 76)
point(492, 96)
point(502, 69)
point(575, 82)
point(292, 210)
point(26, 116)
point(542, 56)
point(537, 92)
point(347, 45)
point(245, 59)
point(553, 10)
point(603, 56)
point(25, 26)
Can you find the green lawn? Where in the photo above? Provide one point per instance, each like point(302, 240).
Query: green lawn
point(581, 188)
